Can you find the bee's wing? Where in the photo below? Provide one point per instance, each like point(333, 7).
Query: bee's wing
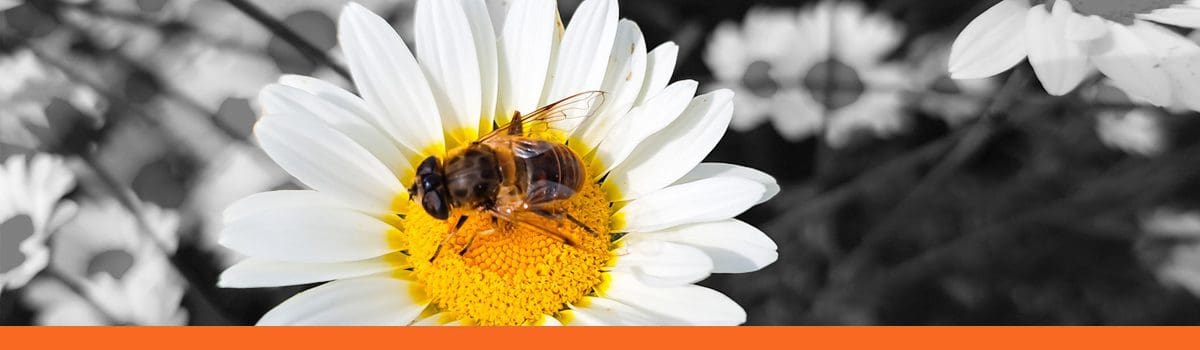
point(546, 191)
point(529, 148)
point(581, 105)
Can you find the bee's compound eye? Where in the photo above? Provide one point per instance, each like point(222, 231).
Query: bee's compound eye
point(434, 203)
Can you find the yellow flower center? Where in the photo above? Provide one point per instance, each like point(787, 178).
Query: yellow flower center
point(510, 274)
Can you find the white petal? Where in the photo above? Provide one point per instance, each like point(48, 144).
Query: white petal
point(641, 122)
point(485, 48)
point(1059, 63)
point(296, 103)
point(312, 233)
point(1133, 65)
point(1085, 28)
point(669, 154)
point(711, 199)
point(526, 45)
point(622, 83)
point(991, 43)
point(660, 65)
point(335, 95)
point(549, 321)
point(707, 170)
point(733, 245)
point(258, 272)
point(338, 96)
point(689, 304)
point(328, 161)
point(390, 80)
point(377, 300)
point(1183, 16)
point(1180, 58)
point(583, 54)
point(446, 49)
point(661, 263)
point(593, 311)
point(283, 200)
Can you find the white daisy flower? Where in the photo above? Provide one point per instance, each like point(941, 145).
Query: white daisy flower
point(743, 59)
point(116, 268)
point(1067, 40)
point(660, 220)
point(31, 208)
point(838, 82)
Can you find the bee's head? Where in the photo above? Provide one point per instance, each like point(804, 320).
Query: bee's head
point(429, 188)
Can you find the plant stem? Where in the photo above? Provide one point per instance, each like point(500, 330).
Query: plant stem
point(287, 34)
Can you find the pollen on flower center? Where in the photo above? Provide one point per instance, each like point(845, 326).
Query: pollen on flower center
point(511, 274)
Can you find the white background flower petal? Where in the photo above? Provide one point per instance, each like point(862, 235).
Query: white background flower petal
point(669, 154)
point(1183, 16)
point(689, 304)
point(390, 80)
point(1059, 63)
point(258, 272)
point(328, 161)
point(734, 246)
point(1132, 65)
point(711, 199)
point(376, 300)
point(990, 44)
point(310, 234)
point(446, 49)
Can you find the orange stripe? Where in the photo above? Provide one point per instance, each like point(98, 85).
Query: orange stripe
point(327, 338)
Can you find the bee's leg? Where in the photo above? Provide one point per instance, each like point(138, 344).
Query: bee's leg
point(548, 232)
point(564, 215)
point(462, 219)
point(467, 247)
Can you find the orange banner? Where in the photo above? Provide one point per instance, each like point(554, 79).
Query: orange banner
point(326, 338)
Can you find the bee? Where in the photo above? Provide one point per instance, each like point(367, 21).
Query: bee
point(508, 174)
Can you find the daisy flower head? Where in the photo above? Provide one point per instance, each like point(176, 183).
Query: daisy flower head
point(125, 279)
point(31, 208)
point(1066, 40)
point(838, 82)
point(632, 223)
point(744, 59)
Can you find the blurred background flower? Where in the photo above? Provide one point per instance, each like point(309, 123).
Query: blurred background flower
point(111, 274)
point(31, 208)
